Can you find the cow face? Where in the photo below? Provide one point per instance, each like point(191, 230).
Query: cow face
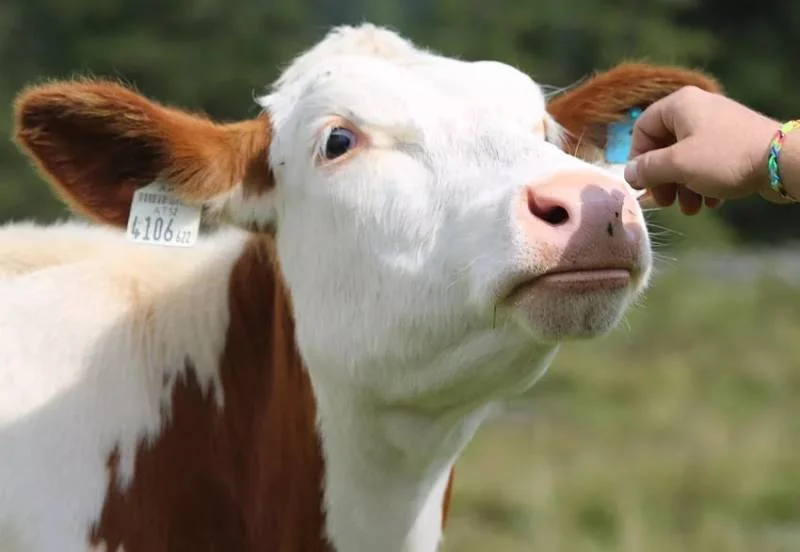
point(423, 198)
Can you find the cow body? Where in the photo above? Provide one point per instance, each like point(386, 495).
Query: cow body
point(422, 245)
point(200, 413)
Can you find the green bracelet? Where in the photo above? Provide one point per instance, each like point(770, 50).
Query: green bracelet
point(775, 179)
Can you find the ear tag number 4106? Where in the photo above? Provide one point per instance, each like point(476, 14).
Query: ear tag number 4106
point(159, 218)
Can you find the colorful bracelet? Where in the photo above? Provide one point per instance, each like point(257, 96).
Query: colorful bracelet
point(775, 180)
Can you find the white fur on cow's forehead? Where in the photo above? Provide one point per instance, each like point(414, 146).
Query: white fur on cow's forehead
point(377, 79)
point(367, 40)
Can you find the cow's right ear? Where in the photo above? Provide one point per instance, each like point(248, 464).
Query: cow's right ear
point(97, 142)
point(586, 110)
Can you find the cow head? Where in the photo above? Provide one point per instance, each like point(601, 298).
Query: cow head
point(426, 211)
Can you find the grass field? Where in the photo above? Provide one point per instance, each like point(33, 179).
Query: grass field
point(679, 432)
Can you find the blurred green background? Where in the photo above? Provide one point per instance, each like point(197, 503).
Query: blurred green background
point(681, 431)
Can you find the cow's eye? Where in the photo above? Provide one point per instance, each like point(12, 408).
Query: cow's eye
point(340, 141)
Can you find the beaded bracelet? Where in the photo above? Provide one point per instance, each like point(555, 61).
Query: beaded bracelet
point(775, 180)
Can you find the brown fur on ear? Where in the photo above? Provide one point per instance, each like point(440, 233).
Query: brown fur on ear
point(97, 142)
point(587, 109)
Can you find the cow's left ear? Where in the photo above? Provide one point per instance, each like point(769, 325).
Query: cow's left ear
point(97, 142)
point(585, 111)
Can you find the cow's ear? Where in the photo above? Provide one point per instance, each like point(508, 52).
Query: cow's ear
point(585, 111)
point(97, 142)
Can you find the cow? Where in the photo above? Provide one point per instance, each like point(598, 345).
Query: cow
point(396, 243)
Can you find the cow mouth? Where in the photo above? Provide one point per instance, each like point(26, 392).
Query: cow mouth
point(584, 280)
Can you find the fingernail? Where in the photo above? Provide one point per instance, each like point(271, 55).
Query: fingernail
point(632, 172)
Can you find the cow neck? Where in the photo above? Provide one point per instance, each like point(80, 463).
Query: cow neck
point(389, 468)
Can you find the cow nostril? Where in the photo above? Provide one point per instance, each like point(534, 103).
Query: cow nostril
point(551, 213)
point(555, 216)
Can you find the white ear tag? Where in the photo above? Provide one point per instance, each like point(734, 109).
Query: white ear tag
point(159, 218)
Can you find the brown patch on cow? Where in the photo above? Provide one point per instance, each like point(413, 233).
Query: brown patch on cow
point(97, 142)
point(587, 109)
point(247, 478)
point(253, 145)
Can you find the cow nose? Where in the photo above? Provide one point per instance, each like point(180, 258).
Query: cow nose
point(582, 218)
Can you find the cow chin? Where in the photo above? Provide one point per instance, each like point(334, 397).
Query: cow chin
point(570, 311)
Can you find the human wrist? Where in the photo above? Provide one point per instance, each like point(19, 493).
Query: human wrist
point(778, 171)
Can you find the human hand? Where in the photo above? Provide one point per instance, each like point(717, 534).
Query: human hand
point(699, 147)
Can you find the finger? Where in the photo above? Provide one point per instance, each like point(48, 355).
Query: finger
point(690, 202)
point(646, 201)
point(713, 202)
point(664, 195)
point(653, 129)
point(660, 166)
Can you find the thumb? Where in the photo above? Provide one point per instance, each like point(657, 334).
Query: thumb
point(657, 167)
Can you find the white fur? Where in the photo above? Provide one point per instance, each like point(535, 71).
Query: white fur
point(25, 248)
point(393, 260)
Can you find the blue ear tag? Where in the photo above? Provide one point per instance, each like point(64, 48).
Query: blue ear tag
point(619, 137)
